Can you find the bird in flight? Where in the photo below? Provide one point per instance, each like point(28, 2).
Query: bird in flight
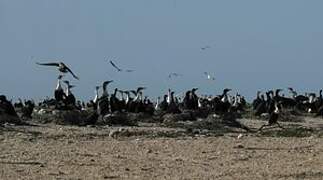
point(205, 48)
point(209, 77)
point(115, 66)
point(119, 69)
point(61, 67)
point(174, 75)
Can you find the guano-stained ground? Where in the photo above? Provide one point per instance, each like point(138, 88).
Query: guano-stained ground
point(153, 152)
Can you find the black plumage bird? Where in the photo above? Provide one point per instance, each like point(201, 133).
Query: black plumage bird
point(273, 118)
point(61, 67)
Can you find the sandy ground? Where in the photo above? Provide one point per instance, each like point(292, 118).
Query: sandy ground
point(69, 152)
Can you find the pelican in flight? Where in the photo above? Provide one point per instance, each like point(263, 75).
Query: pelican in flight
point(61, 67)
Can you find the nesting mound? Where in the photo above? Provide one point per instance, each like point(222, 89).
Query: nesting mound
point(172, 118)
point(212, 125)
point(291, 116)
point(122, 119)
point(4, 118)
point(290, 132)
point(72, 117)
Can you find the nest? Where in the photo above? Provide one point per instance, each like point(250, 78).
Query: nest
point(4, 118)
point(62, 117)
point(172, 118)
point(290, 116)
point(122, 119)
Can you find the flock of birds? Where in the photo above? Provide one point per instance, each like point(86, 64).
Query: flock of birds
point(134, 101)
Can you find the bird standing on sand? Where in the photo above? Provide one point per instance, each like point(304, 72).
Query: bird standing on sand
point(61, 67)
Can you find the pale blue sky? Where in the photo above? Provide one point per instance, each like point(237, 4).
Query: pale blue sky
point(255, 44)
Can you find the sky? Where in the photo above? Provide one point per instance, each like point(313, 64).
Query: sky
point(254, 45)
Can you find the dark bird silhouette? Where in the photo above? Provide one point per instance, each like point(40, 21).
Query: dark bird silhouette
point(61, 67)
point(130, 70)
point(273, 118)
point(205, 47)
point(174, 75)
point(115, 66)
point(59, 92)
point(139, 89)
point(70, 98)
point(119, 69)
point(104, 86)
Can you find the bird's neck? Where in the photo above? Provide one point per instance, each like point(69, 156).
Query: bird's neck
point(127, 98)
point(96, 96)
point(105, 92)
point(235, 102)
point(157, 104)
point(137, 97)
point(224, 98)
point(276, 110)
point(199, 103)
point(168, 97)
point(58, 86)
point(68, 91)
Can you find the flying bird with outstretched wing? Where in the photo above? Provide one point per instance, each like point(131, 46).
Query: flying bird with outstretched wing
point(115, 66)
point(205, 47)
point(174, 75)
point(130, 70)
point(61, 67)
point(209, 77)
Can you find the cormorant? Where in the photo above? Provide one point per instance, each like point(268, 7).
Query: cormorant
point(70, 98)
point(59, 92)
point(61, 67)
point(273, 118)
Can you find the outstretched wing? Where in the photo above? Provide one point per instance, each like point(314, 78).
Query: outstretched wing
point(130, 71)
point(115, 66)
point(69, 70)
point(174, 74)
point(48, 64)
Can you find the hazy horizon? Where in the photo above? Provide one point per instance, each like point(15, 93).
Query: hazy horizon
point(254, 45)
